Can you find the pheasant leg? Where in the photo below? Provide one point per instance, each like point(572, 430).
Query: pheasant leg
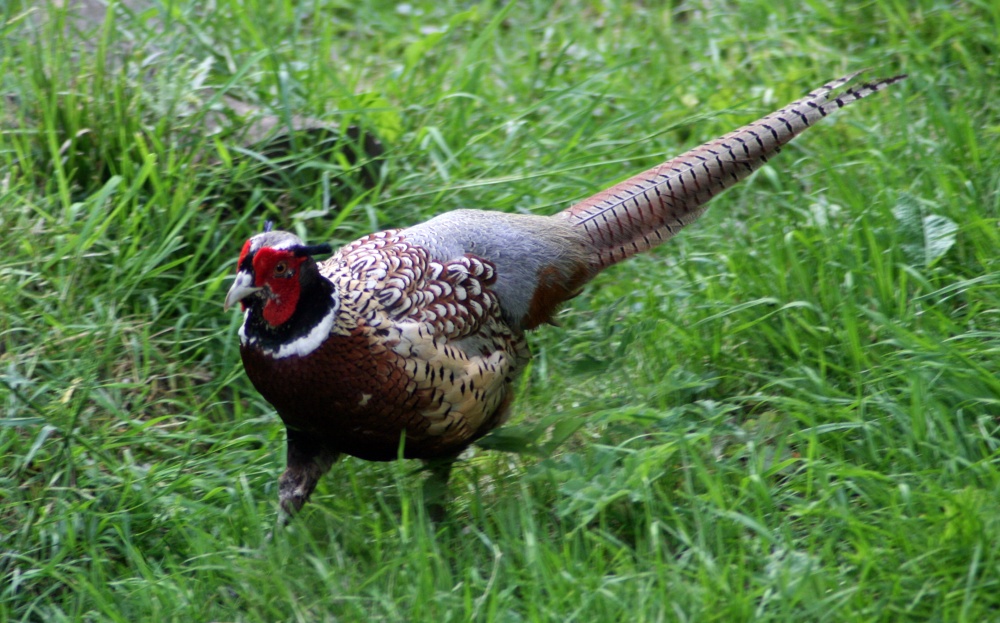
point(435, 489)
point(307, 462)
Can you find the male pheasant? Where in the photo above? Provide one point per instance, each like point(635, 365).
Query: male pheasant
point(408, 340)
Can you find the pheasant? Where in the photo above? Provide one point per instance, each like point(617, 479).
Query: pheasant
point(407, 341)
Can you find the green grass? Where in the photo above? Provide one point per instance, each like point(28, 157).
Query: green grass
point(791, 412)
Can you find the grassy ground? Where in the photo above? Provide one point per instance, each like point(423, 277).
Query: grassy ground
point(791, 412)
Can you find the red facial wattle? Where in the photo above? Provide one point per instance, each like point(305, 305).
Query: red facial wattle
point(277, 271)
point(243, 254)
point(239, 266)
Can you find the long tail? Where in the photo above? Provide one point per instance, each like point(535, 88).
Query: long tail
point(651, 207)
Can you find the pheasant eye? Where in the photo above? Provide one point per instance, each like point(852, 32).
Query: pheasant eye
point(281, 269)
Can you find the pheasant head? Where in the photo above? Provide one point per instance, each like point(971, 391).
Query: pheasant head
point(281, 292)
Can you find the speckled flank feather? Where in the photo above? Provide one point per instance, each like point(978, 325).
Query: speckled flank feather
point(426, 309)
point(652, 207)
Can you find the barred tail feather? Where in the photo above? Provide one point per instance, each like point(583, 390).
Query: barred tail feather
point(651, 207)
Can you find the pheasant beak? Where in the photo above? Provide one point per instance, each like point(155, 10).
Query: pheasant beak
point(242, 288)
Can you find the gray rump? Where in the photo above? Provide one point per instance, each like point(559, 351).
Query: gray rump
point(518, 245)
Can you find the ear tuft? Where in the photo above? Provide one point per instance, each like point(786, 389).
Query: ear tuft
point(313, 249)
